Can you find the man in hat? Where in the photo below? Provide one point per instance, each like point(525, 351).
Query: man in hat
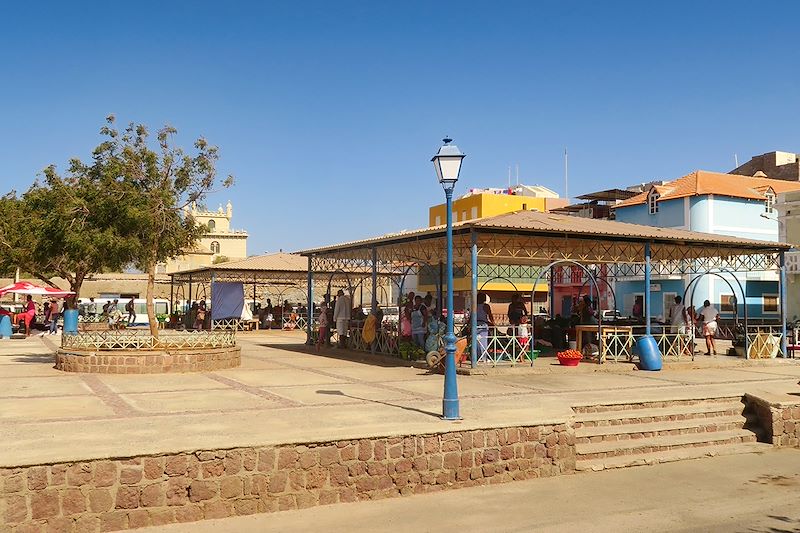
point(341, 316)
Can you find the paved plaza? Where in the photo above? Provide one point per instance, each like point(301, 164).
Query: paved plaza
point(286, 393)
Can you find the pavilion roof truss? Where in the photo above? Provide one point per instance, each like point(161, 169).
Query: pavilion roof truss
point(512, 248)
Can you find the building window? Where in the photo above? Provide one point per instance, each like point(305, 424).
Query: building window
point(211, 225)
point(215, 247)
point(727, 303)
point(463, 215)
point(769, 202)
point(770, 303)
point(652, 202)
point(437, 221)
point(474, 212)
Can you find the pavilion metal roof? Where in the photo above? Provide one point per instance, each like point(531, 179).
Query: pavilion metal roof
point(279, 261)
point(534, 223)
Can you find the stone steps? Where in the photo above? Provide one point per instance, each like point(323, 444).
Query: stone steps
point(651, 404)
point(658, 414)
point(655, 432)
point(678, 454)
point(593, 434)
point(595, 450)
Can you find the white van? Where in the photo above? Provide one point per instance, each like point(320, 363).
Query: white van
point(139, 306)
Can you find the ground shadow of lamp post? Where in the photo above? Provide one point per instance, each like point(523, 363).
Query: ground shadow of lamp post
point(447, 163)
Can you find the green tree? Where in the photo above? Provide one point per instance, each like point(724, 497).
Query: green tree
point(61, 227)
point(155, 186)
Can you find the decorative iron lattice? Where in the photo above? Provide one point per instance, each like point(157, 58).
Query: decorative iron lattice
point(499, 349)
point(142, 340)
point(294, 321)
point(764, 342)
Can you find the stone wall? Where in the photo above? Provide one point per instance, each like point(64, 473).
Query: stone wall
point(144, 362)
point(780, 420)
point(117, 494)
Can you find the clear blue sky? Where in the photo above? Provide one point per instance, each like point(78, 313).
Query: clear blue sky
point(317, 105)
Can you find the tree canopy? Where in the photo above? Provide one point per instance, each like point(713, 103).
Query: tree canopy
point(155, 186)
point(62, 227)
point(127, 206)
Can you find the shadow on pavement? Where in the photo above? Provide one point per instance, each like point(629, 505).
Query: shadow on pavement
point(787, 525)
point(37, 358)
point(345, 355)
point(340, 393)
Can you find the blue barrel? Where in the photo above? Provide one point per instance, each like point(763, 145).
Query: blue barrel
point(71, 322)
point(646, 349)
point(5, 326)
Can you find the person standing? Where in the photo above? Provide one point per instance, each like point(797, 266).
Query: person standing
point(419, 322)
point(516, 310)
point(709, 315)
point(341, 316)
point(130, 307)
point(54, 315)
point(29, 314)
point(322, 336)
point(484, 319)
point(91, 310)
point(679, 321)
point(200, 316)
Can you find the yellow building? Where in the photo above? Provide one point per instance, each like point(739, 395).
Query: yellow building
point(220, 243)
point(480, 203)
point(500, 282)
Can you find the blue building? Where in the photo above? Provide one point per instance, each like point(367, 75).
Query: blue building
point(710, 202)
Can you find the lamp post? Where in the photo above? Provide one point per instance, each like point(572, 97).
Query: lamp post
point(447, 163)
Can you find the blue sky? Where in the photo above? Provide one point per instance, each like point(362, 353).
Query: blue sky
point(327, 113)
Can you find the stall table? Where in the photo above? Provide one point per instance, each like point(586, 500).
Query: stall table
point(625, 331)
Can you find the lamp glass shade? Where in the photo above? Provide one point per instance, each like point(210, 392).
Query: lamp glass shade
point(447, 167)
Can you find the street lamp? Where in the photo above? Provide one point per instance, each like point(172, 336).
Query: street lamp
point(447, 163)
point(781, 225)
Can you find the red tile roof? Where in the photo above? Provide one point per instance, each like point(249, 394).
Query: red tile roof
point(701, 182)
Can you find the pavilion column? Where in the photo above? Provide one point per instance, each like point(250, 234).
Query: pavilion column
point(551, 289)
point(647, 347)
point(473, 307)
point(374, 302)
point(782, 287)
point(310, 306)
point(374, 308)
point(440, 296)
point(187, 318)
point(647, 288)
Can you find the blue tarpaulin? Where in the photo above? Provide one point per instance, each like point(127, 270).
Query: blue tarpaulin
point(227, 300)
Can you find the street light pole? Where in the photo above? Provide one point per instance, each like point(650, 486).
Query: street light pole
point(447, 163)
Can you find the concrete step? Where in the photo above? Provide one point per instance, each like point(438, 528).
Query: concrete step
point(613, 407)
point(596, 450)
point(659, 414)
point(661, 428)
point(678, 454)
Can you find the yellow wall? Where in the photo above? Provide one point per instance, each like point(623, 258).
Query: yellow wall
point(485, 205)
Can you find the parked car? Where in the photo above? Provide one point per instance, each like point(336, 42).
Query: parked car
point(611, 315)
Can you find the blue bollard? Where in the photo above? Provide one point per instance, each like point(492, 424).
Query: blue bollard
point(5, 326)
point(646, 349)
point(71, 322)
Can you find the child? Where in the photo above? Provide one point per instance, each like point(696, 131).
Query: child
point(523, 337)
point(322, 337)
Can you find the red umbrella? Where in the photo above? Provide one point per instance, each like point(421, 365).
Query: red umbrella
point(23, 287)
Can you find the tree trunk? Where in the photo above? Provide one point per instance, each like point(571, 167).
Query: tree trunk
point(151, 310)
